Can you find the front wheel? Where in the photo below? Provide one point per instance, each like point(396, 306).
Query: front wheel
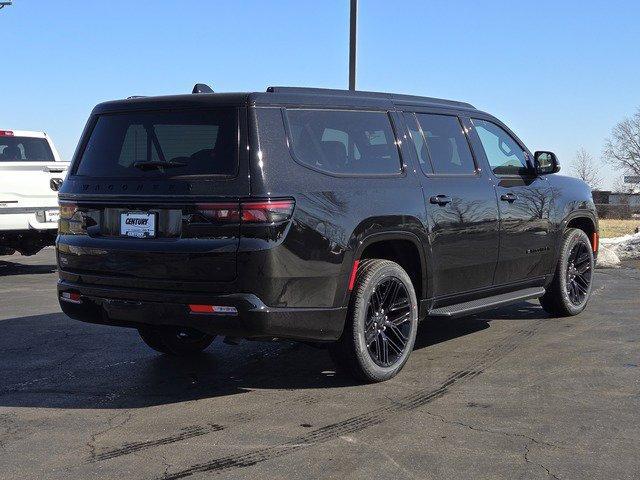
point(175, 340)
point(381, 325)
point(570, 288)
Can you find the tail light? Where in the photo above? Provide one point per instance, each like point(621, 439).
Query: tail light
point(220, 212)
point(266, 211)
point(249, 211)
point(6, 133)
point(71, 220)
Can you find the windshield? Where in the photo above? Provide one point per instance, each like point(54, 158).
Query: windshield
point(25, 149)
point(162, 144)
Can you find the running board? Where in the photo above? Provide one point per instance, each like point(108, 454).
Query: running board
point(473, 306)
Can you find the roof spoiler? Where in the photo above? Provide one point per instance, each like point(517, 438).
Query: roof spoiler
point(201, 88)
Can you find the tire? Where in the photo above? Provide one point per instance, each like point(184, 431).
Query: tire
point(374, 347)
point(175, 340)
point(570, 289)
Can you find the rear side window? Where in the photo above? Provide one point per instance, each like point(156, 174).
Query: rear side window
point(162, 144)
point(447, 144)
point(344, 142)
point(25, 149)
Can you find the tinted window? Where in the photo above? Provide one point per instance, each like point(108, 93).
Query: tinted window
point(163, 143)
point(503, 152)
point(344, 142)
point(447, 144)
point(18, 149)
point(418, 142)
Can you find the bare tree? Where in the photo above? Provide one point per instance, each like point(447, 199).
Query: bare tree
point(620, 186)
point(585, 168)
point(622, 148)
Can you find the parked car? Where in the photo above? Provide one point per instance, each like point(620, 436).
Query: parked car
point(31, 173)
point(316, 215)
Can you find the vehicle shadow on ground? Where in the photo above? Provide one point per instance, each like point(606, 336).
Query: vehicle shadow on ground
point(15, 268)
point(50, 361)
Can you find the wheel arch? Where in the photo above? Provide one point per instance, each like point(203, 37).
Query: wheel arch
point(585, 221)
point(402, 247)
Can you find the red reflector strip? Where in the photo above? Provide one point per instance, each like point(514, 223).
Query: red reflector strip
point(595, 242)
point(217, 309)
point(6, 133)
point(71, 297)
point(354, 271)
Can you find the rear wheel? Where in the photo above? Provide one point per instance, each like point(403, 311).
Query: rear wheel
point(175, 340)
point(381, 325)
point(570, 289)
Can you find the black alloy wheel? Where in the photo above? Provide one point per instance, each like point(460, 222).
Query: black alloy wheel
point(388, 324)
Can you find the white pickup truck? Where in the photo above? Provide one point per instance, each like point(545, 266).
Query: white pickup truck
point(31, 173)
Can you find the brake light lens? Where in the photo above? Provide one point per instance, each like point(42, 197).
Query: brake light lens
point(249, 211)
point(267, 211)
point(6, 133)
point(220, 212)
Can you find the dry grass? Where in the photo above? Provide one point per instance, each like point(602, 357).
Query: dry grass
point(616, 228)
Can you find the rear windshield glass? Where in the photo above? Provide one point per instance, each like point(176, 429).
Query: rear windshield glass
point(162, 144)
point(28, 149)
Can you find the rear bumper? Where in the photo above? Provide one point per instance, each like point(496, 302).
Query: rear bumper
point(132, 308)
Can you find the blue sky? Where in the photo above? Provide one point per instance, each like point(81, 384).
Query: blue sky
point(560, 73)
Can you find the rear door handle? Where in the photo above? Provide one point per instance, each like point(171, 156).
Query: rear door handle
point(441, 200)
point(508, 197)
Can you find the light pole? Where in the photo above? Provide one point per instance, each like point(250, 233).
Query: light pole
point(352, 44)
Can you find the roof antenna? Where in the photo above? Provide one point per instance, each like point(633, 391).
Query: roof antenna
point(201, 88)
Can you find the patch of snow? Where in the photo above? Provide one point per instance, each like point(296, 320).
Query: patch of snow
point(607, 257)
point(626, 247)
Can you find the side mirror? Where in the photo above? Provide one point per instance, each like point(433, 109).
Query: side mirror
point(546, 162)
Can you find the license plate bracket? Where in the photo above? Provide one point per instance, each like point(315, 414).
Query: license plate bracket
point(138, 224)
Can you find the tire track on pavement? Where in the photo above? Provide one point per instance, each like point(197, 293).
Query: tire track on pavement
point(360, 422)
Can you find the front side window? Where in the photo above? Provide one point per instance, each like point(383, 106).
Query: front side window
point(25, 149)
point(162, 144)
point(505, 155)
point(344, 142)
point(447, 144)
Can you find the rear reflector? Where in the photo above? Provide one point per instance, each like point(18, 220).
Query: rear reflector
point(70, 297)
point(595, 242)
point(354, 271)
point(6, 133)
point(213, 309)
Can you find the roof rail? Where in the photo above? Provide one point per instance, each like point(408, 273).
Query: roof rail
point(361, 93)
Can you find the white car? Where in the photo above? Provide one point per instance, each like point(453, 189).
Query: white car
point(31, 173)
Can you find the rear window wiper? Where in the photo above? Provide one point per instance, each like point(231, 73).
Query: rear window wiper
point(158, 164)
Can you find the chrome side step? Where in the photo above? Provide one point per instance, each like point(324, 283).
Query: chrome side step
point(473, 306)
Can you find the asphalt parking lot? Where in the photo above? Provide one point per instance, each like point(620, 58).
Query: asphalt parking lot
point(506, 394)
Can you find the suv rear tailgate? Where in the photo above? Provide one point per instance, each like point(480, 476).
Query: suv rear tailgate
point(153, 200)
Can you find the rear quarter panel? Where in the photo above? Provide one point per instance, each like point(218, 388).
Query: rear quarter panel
point(333, 216)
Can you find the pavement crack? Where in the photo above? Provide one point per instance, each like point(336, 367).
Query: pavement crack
point(91, 444)
point(487, 430)
point(527, 460)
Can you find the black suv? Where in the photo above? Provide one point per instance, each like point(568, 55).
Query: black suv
point(313, 214)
